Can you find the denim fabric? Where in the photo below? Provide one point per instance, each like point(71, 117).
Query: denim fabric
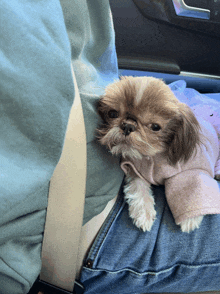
point(124, 260)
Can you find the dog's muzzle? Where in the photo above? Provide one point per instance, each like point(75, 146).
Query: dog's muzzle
point(127, 128)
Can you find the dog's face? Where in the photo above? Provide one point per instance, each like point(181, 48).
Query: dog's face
point(142, 117)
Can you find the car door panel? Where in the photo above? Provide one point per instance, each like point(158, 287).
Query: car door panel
point(150, 36)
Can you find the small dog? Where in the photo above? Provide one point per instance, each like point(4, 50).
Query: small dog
point(142, 118)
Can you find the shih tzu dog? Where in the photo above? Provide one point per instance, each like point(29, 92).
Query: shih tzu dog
point(150, 128)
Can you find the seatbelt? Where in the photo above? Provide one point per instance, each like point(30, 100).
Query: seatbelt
point(66, 205)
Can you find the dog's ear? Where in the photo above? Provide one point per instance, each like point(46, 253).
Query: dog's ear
point(183, 136)
point(101, 109)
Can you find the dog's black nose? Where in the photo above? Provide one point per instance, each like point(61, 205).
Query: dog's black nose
point(127, 128)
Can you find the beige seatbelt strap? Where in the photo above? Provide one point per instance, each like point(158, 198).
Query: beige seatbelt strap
point(66, 205)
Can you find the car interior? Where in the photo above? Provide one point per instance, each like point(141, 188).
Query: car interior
point(169, 39)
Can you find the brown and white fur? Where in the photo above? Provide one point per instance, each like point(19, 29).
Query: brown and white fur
point(142, 117)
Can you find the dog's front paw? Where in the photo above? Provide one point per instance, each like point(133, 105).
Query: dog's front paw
point(191, 224)
point(140, 199)
point(143, 218)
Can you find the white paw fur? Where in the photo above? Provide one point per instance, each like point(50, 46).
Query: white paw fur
point(191, 224)
point(140, 199)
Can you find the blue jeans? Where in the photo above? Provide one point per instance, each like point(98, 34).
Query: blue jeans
point(124, 260)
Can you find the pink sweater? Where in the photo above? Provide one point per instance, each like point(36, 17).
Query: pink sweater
point(190, 187)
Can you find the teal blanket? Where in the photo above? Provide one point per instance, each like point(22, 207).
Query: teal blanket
point(39, 40)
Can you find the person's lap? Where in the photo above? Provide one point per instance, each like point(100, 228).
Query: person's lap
point(124, 259)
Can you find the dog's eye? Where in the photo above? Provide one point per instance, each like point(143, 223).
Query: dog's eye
point(113, 113)
point(155, 127)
